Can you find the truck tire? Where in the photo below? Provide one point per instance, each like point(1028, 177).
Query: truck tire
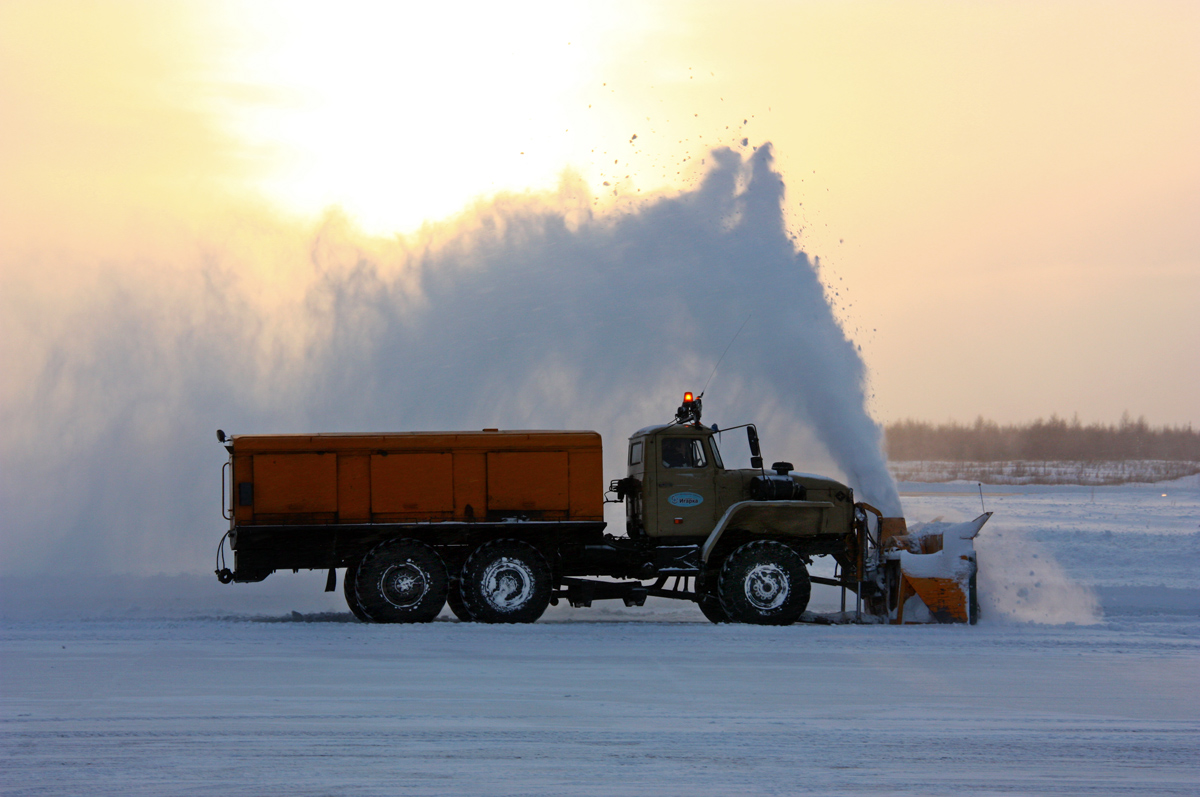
point(401, 581)
point(707, 598)
point(764, 582)
point(506, 581)
point(454, 600)
point(352, 595)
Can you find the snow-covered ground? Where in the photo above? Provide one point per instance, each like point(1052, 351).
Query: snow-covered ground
point(1104, 472)
point(1084, 677)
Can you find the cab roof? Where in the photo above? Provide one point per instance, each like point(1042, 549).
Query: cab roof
point(649, 430)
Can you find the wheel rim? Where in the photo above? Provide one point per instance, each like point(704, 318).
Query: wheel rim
point(767, 587)
point(507, 584)
point(403, 585)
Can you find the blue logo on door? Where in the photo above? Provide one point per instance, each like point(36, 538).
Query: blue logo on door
point(685, 499)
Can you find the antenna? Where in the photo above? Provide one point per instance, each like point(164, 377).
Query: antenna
point(981, 506)
point(722, 357)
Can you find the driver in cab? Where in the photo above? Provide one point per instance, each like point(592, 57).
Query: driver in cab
point(680, 452)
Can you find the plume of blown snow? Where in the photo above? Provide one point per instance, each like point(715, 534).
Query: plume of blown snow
point(525, 311)
point(1020, 580)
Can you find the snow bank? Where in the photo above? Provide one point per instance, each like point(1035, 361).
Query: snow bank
point(1108, 472)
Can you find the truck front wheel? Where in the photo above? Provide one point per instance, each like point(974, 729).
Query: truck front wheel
point(506, 581)
point(351, 593)
point(401, 581)
point(764, 582)
point(707, 598)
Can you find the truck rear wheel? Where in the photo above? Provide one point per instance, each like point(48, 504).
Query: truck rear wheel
point(764, 582)
point(506, 581)
point(352, 595)
point(401, 581)
point(454, 600)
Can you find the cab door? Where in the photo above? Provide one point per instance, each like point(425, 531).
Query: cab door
point(686, 486)
point(636, 519)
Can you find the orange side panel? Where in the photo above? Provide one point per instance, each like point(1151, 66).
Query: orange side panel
point(295, 483)
point(412, 483)
point(418, 476)
point(354, 488)
point(587, 485)
point(521, 480)
point(470, 485)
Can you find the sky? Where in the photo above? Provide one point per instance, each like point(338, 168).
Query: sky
point(1002, 197)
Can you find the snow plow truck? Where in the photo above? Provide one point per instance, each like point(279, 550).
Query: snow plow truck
point(500, 524)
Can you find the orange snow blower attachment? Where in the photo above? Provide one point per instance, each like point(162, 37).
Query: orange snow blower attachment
point(937, 570)
point(927, 573)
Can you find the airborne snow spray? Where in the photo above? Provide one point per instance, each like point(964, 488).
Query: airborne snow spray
point(525, 311)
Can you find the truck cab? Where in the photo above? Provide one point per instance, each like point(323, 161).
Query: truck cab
point(679, 490)
point(684, 485)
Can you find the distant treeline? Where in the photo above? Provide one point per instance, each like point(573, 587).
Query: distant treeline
point(1055, 439)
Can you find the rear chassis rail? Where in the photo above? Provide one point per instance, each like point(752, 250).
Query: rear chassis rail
point(580, 592)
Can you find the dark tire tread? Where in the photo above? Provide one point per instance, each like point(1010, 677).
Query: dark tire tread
point(400, 552)
point(471, 578)
point(454, 599)
point(352, 595)
point(731, 586)
point(707, 598)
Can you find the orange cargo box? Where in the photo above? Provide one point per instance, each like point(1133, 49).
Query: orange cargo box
point(414, 477)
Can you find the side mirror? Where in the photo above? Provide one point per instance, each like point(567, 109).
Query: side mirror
point(220, 435)
point(756, 460)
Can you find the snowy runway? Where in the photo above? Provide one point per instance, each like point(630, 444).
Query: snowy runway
point(606, 701)
point(201, 707)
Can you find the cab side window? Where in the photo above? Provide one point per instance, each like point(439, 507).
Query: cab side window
point(683, 452)
point(635, 453)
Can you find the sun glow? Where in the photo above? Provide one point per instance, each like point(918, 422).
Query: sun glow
point(401, 114)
